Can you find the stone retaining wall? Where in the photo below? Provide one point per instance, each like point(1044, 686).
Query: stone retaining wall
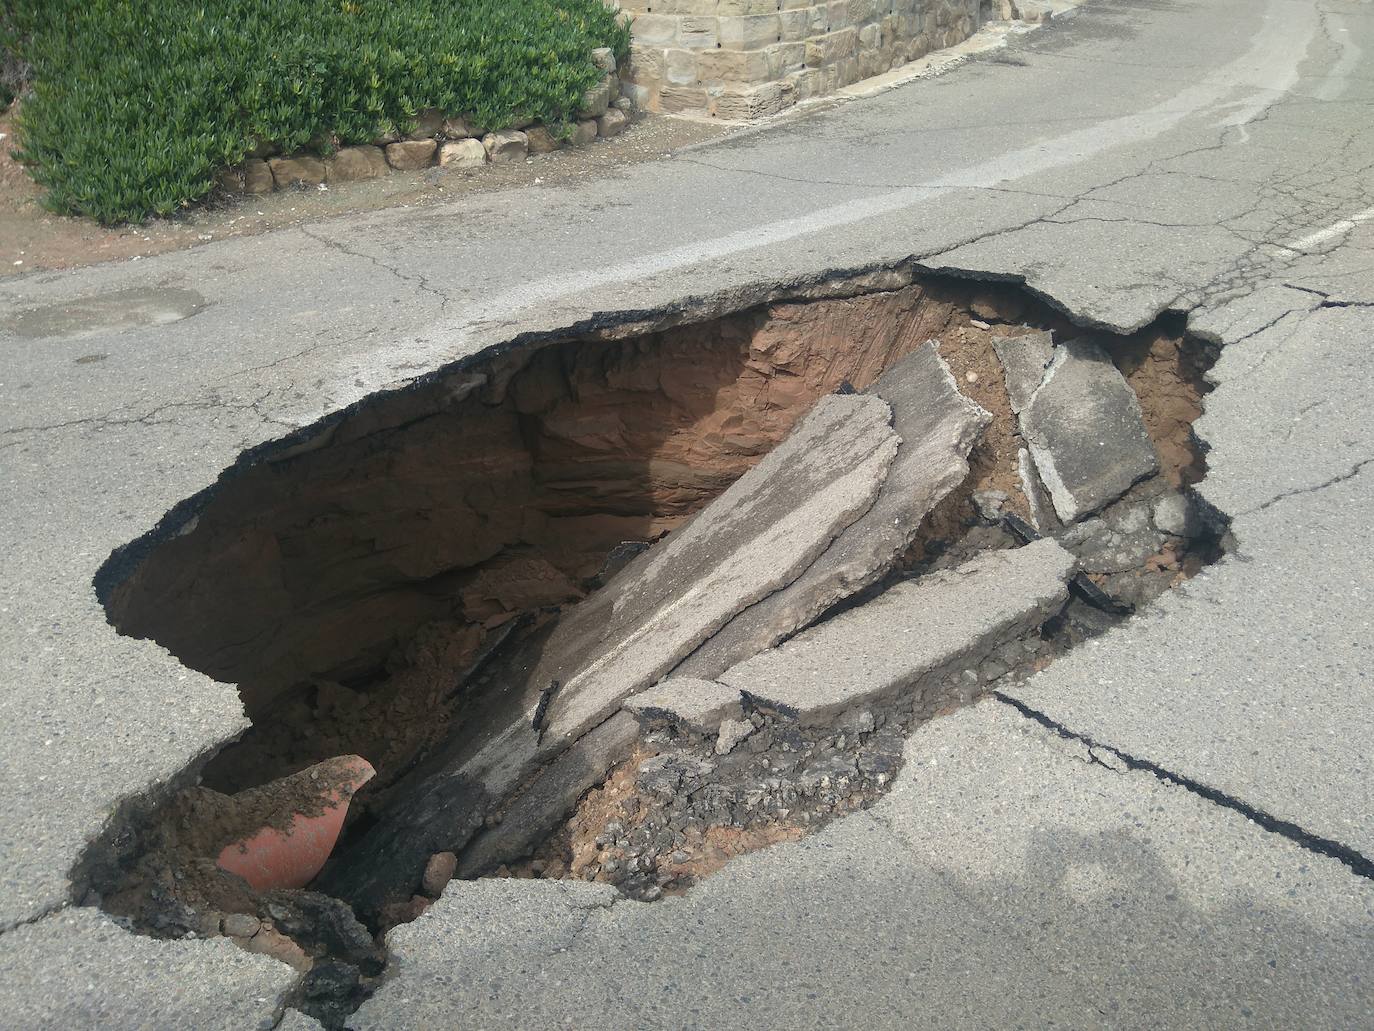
point(449, 142)
point(741, 59)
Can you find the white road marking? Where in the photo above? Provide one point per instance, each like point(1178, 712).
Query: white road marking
point(1332, 231)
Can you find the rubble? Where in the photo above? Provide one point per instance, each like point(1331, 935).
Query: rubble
point(937, 425)
point(909, 635)
point(1085, 431)
point(696, 705)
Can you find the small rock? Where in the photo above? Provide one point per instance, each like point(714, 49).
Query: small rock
point(583, 133)
point(1173, 514)
point(409, 155)
point(604, 58)
point(353, 163)
point(612, 123)
point(299, 169)
point(732, 732)
point(429, 123)
point(268, 942)
point(463, 154)
point(457, 129)
point(541, 141)
point(989, 504)
point(506, 146)
point(438, 872)
point(240, 925)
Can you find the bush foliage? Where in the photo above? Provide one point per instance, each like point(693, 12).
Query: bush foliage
point(136, 104)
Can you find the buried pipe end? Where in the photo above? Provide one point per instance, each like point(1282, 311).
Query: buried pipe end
point(297, 836)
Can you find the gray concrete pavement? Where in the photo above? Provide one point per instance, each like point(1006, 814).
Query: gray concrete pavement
point(1204, 157)
point(1008, 881)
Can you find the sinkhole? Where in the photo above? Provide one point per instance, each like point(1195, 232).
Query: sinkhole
point(478, 583)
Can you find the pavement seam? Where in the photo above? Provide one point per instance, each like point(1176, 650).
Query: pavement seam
point(1359, 864)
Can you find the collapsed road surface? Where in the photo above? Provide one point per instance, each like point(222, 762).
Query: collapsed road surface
point(1169, 824)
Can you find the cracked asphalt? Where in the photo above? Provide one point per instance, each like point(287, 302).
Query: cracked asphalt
point(1167, 827)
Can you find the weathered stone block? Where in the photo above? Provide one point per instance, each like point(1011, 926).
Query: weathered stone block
point(467, 153)
point(680, 67)
point(408, 155)
point(457, 129)
point(612, 123)
point(697, 33)
point(583, 133)
point(656, 29)
point(681, 98)
point(733, 66)
point(348, 164)
point(506, 146)
point(428, 124)
point(541, 141)
point(750, 33)
point(596, 100)
point(758, 102)
point(796, 25)
point(604, 58)
point(299, 169)
point(257, 177)
point(745, 8)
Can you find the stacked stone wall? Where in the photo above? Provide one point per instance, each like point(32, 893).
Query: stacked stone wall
point(742, 59)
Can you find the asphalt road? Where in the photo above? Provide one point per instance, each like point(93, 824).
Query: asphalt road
point(1211, 157)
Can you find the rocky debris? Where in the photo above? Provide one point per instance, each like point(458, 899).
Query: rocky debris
point(906, 639)
point(938, 426)
point(1037, 498)
point(322, 926)
point(756, 538)
point(732, 732)
point(694, 705)
point(989, 504)
point(330, 992)
point(438, 872)
point(536, 811)
point(1085, 431)
point(1024, 359)
point(240, 925)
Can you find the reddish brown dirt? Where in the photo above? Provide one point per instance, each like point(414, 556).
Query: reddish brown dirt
point(1167, 376)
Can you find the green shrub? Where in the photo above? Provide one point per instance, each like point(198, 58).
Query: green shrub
point(137, 103)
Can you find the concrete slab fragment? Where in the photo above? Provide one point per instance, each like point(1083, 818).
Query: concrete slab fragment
point(78, 969)
point(698, 705)
point(1024, 360)
point(554, 792)
point(756, 538)
point(910, 631)
point(1048, 890)
point(938, 426)
point(1085, 430)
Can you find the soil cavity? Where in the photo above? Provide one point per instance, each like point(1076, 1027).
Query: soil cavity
point(363, 588)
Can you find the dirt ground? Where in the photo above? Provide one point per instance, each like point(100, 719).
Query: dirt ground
point(31, 237)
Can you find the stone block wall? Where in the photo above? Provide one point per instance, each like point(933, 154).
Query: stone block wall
point(741, 59)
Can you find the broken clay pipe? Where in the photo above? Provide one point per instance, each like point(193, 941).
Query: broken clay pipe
point(292, 846)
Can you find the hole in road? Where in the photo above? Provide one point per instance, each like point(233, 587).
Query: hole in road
point(410, 582)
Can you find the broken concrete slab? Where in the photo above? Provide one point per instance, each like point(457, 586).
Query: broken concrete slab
point(1042, 515)
point(1024, 360)
point(77, 968)
point(552, 794)
point(1086, 432)
point(938, 426)
point(756, 538)
point(691, 703)
point(907, 638)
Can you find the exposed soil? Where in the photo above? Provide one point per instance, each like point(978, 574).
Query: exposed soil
point(33, 238)
point(357, 584)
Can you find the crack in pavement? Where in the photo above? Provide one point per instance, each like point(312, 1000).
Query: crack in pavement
point(1359, 864)
point(416, 279)
point(1349, 474)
